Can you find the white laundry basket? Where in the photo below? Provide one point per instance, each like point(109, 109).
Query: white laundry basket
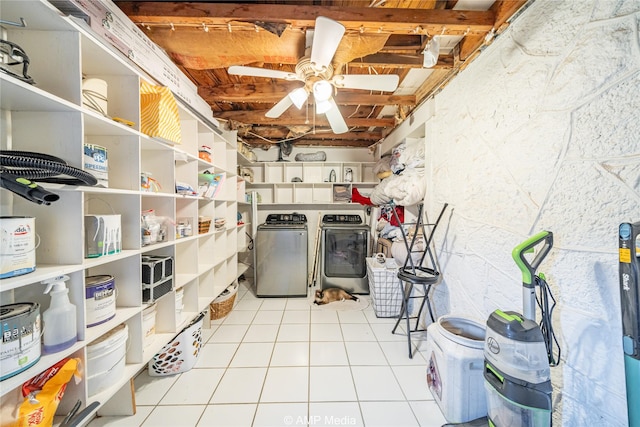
point(181, 354)
point(384, 286)
point(455, 354)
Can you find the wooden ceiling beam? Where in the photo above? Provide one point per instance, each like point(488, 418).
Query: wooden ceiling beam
point(503, 9)
point(400, 61)
point(385, 20)
point(304, 141)
point(350, 136)
point(277, 132)
point(270, 93)
point(248, 92)
point(295, 118)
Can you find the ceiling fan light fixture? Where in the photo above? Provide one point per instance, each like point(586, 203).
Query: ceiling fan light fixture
point(431, 52)
point(299, 97)
point(322, 90)
point(323, 106)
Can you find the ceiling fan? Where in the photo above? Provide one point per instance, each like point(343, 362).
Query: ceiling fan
point(317, 73)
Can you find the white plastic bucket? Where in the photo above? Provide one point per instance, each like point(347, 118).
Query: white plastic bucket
point(179, 304)
point(149, 321)
point(100, 295)
point(18, 249)
point(455, 355)
point(106, 359)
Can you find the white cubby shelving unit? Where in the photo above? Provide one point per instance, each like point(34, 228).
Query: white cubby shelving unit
point(49, 118)
point(307, 183)
point(247, 225)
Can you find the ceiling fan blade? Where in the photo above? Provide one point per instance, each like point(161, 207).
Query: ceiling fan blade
point(282, 106)
point(382, 82)
point(241, 70)
point(336, 121)
point(326, 38)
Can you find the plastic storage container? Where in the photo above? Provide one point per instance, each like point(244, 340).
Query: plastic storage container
point(455, 358)
point(106, 359)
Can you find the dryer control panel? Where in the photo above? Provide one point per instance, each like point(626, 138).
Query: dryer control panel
point(292, 218)
point(341, 219)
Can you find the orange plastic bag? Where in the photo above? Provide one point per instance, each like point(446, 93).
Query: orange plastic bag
point(43, 393)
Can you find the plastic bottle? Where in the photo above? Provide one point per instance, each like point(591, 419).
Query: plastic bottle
point(60, 329)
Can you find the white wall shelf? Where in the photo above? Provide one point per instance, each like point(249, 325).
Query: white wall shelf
point(275, 185)
point(49, 118)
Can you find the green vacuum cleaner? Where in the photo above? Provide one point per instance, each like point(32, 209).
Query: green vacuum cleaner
point(519, 352)
point(629, 241)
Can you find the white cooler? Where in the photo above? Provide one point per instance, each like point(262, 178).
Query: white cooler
point(455, 355)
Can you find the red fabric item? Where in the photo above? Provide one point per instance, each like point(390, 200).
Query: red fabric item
point(356, 197)
point(386, 213)
point(392, 218)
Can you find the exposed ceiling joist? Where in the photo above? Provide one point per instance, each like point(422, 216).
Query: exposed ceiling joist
point(274, 92)
point(289, 118)
point(387, 38)
point(305, 141)
point(384, 20)
point(400, 61)
point(272, 132)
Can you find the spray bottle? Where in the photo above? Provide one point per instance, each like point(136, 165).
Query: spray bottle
point(60, 329)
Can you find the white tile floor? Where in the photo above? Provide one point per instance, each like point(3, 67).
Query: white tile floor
point(285, 362)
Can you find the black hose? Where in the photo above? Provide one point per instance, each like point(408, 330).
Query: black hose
point(44, 168)
point(18, 170)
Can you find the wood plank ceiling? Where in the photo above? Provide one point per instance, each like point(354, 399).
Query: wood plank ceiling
point(382, 37)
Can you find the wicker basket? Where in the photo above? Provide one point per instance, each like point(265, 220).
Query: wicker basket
point(203, 225)
point(222, 305)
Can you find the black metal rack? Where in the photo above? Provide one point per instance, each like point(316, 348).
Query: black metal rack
point(421, 274)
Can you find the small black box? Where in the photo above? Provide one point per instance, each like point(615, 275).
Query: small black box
point(151, 293)
point(156, 268)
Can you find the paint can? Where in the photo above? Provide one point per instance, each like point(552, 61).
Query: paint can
point(97, 163)
point(100, 296)
point(103, 235)
point(18, 250)
point(20, 346)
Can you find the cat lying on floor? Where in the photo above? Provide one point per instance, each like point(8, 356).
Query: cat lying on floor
point(326, 296)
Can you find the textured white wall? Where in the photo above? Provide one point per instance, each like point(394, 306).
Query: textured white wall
point(542, 132)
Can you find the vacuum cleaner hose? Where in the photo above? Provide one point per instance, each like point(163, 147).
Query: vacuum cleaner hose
point(19, 168)
point(44, 168)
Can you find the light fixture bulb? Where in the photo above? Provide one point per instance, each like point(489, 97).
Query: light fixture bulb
point(323, 106)
point(322, 90)
point(431, 52)
point(299, 97)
